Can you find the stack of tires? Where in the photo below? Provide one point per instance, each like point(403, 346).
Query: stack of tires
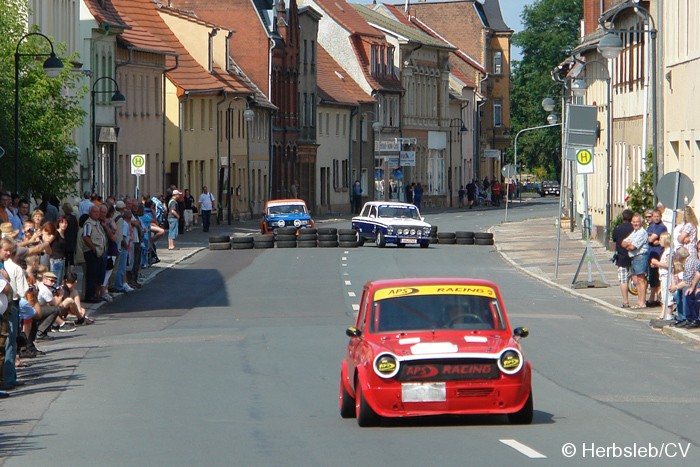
point(219, 242)
point(483, 238)
point(347, 238)
point(433, 234)
point(263, 241)
point(242, 243)
point(464, 238)
point(327, 237)
point(306, 238)
point(286, 237)
point(446, 238)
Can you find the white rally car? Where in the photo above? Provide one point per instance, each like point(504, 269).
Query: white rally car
point(391, 222)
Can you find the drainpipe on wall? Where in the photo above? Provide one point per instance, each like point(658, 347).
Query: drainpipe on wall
point(218, 153)
point(353, 114)
point(165, 119)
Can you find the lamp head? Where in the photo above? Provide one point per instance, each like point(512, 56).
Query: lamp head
point(118, 99)
point(579, 87)
point(53, 66)
point(248, 115)
point(552, 119)
point(376, 126)
point(548, 104)
point(610, 45)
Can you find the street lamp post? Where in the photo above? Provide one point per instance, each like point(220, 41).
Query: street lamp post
point(579, 88)
point(454, 123)
point(52, 67)
point(610, 46)
point(117, 100)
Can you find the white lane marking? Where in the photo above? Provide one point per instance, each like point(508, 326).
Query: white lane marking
point(521, 448)
point(348, 283)
point(356, 307)
point(346, 273)
point(343, 264)
point(344, 258)
point(351, 294)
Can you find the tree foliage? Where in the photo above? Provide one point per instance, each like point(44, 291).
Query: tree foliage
point(551, 31)
point(49, 109)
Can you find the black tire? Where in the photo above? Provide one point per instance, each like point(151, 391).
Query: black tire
point(360, 239)
point(285, 238)
point(327, 244)
point(261, 245)
point(464, 234)
point(347, 244)
point(433, 240)
point(380, 241)
point(447, 241)
point(483, 241)
point(286, 231)
point(446, 236)
point(306, 237)
point(366, 416)
point(347, 238)
point(488, 235)
point(263, 238)
point(433, 230)
point(327, 231)
point(346, 403)
point(242, 246)
point(327, 238)
point(219, 239)
point(465, 241)
point(307, 243)
point(287, 244)
point(246, 239)
point(425, 244)
point(308, 231)
point(347, 232)
point(524, 415)
point(220, 246)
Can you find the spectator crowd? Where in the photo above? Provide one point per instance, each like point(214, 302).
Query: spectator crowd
point(110, 239)
point(656, 253)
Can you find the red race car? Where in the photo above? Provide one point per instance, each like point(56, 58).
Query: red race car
point(432, 346)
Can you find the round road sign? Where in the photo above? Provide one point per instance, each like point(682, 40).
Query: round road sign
point(675, 190)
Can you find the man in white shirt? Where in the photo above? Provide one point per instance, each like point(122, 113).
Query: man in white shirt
point(206, 202)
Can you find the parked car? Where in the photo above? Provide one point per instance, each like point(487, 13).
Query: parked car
point(549, 187)
point(433, 346)
point(285, 213)
point(391, 222)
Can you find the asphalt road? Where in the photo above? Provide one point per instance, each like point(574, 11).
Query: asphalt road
point(232, 358)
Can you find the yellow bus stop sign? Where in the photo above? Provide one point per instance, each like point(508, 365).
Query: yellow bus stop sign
point(138, 164)
point(584, 161)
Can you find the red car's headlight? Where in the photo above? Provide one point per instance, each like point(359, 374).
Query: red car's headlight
point(510, 361)
point(386, 365)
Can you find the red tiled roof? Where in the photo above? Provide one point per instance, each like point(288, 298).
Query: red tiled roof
point(347, 17)
point(189, 74)
point(334, 84)
point(105, 15)
point(249, 45)
point(141, 21)
point(460, 76)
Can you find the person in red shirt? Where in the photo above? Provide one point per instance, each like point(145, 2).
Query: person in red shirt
point(496, 192)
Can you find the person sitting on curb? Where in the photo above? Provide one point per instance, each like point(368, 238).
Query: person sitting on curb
point(686, 290)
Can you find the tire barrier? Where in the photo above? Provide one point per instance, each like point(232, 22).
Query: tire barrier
point(219, 242)
point(329, 237)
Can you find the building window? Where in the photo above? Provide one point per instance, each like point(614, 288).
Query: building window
point(390, 61)
point(497, 63)
point(313, 55)
point(497, 113)
point(345, 174)
point(336, 174)
point(337, 124)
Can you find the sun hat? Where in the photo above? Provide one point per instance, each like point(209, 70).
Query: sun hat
point(8, 230)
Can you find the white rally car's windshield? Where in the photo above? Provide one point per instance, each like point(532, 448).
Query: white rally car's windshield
point(399, 212)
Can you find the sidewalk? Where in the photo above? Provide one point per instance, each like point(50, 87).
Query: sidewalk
point(531, 247)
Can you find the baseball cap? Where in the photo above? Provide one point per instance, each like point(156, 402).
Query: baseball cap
point(49, 275)
point(120, 205)
point(176, 192)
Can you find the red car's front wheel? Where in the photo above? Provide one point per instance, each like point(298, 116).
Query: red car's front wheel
point(364, 413)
